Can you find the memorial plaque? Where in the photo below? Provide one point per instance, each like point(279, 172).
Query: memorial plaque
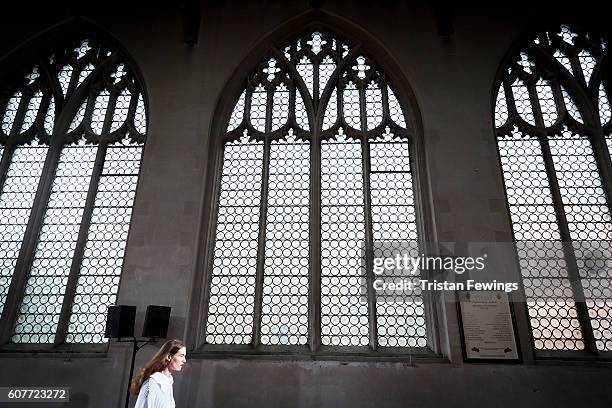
point(488, 329)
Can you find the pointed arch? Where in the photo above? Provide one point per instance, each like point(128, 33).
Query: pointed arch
point(313, 139)
point(74, 124)
point(552, 117)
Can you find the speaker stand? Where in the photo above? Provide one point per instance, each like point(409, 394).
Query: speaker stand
point(136, 346)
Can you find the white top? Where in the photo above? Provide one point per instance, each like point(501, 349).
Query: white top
point(156, 392)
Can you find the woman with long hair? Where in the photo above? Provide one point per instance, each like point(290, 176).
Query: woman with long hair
point(153, 384)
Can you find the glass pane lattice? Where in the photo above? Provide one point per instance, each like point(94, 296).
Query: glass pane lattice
point(42, 302)
point(285, 291)
point(344, 307)
point(232, 291)
point(590, 226)
point(400, 313)
point(16, 202)
point(548, 290)
point(100, 271)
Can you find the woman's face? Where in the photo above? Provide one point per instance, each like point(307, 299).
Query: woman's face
point(177, 360)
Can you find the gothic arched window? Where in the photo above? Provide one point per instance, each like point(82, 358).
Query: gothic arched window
point(71, 140)
point(315, 178)
point(554, 136)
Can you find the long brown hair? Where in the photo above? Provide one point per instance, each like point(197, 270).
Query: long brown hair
point(159, 362)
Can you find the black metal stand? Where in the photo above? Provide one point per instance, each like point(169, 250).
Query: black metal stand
point(135, 349)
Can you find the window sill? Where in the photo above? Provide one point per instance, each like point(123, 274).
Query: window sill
point(324, 354)
point(65, 351)
point(573, 358)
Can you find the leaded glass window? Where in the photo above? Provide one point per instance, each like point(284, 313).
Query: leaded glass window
point(72, 135)
point(315, 172)
point(552, 116)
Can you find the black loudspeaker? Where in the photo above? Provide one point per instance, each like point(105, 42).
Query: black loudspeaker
point(156, 321)
point(120, 321)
